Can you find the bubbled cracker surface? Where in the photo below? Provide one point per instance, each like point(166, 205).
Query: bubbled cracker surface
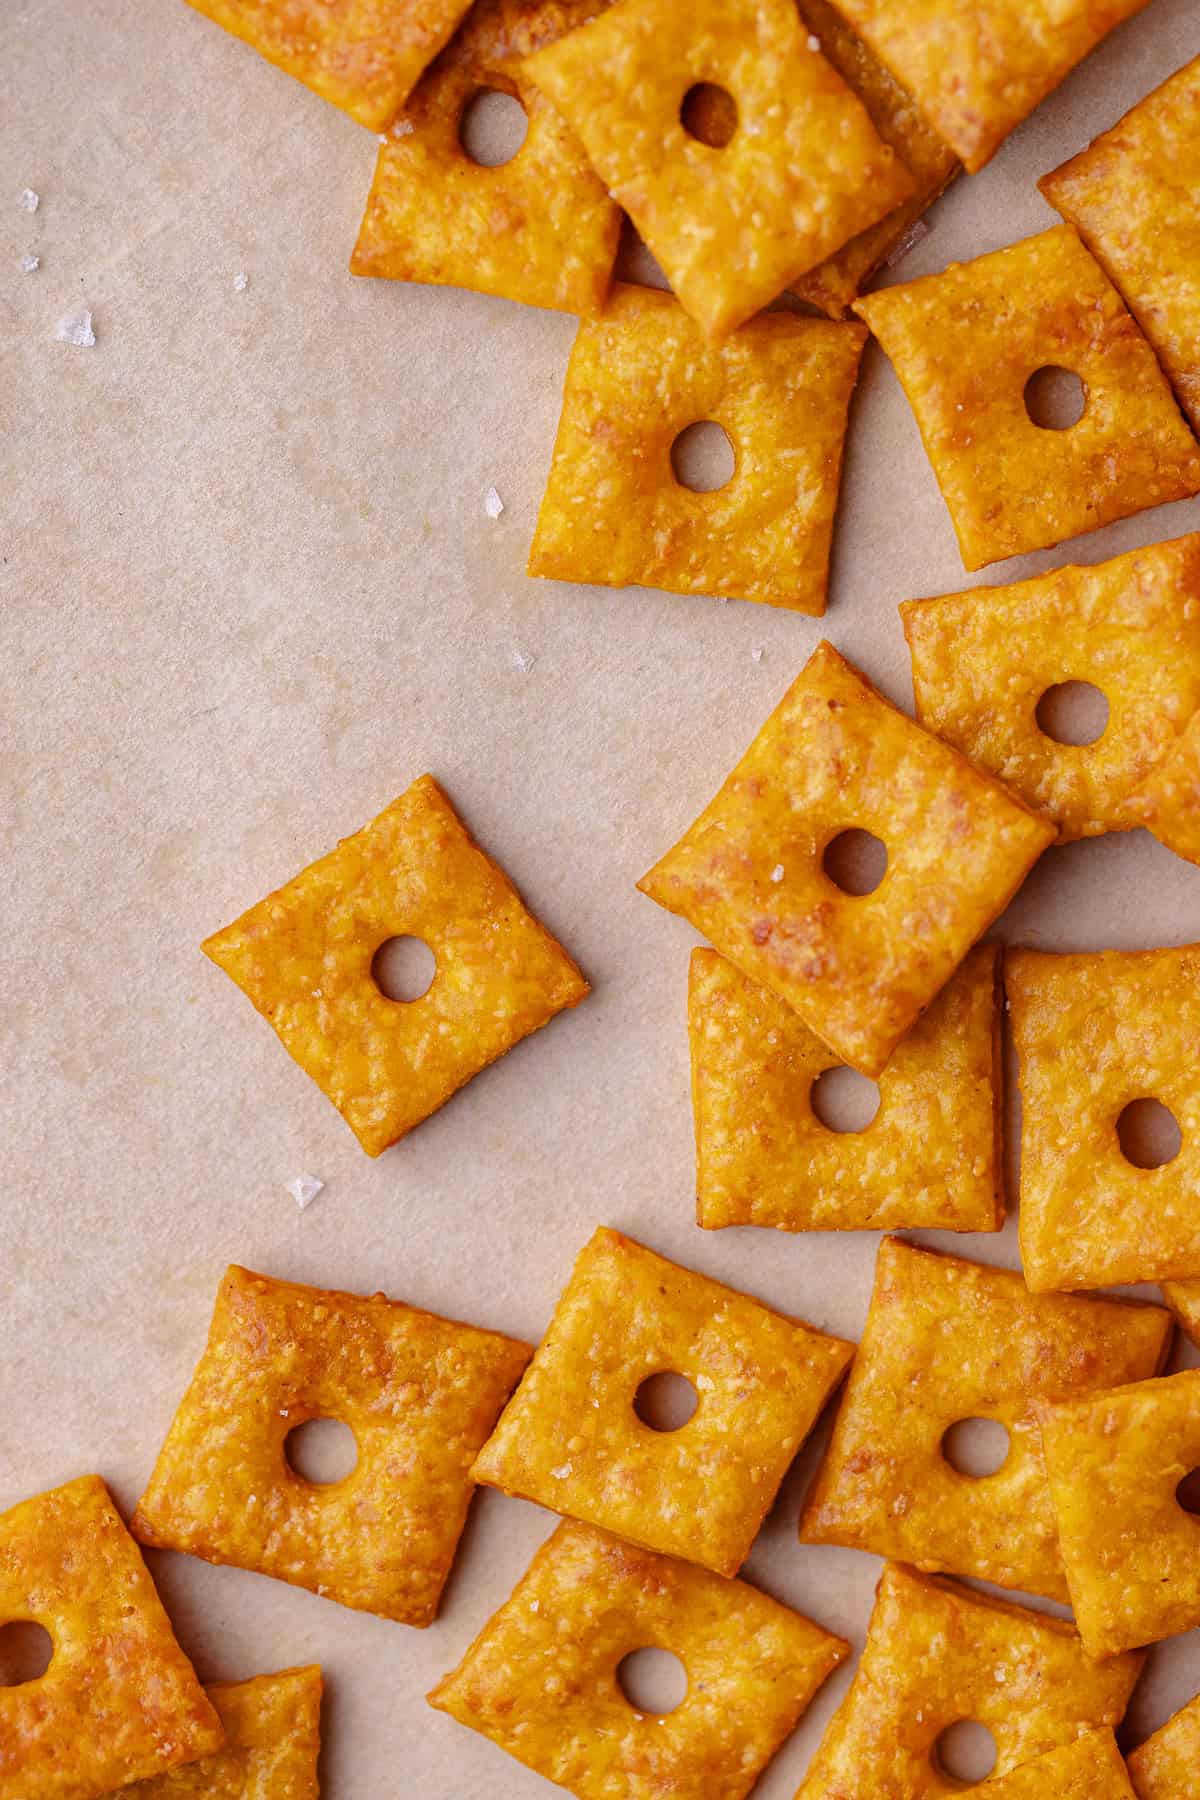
point(1164, 1767)
point(1168, 802)
point(1090, 1768)
point(272, 1742)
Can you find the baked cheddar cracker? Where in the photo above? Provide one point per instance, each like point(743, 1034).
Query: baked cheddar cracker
point(1088, 1768)
point(1164, 1767)
point(272, 1742)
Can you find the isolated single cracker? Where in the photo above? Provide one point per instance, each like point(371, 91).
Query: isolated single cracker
point(420, 1394)
point(303, 957)
point(1088, 1768)
point(936, 1653)
point(833, 756)
point(571, 1440)
point(272, 1742)
point(965, 344)
point(978, 67)
point(540, 1680)
point(1168, 801)
point(731, 225)
point(1115, 1460)
point(1093, 1032)
point(1164, 1767)
point(363, 55)
point(1132, 198)
point(119, 1700)
point(539, 228)
point(982, 661)
point(945, 1341)
point(930, 1157)
point(639, 374)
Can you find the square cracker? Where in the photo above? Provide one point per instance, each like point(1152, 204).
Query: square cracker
point(571, 1440)
point(1168, 801)
point(272, 1742)
point(936, 1653)
point(303, 957)
point(731, 225)
point(541, 1679)
point(119, 1700)
point(1132, 198)
point(539, 228)
point(1164, 1767)
point(1088, 1768)
point(965, 344)
point(363, 55)
point(835, 756)
point(978, 67)
point(1115, 1460)
point(420, 1394)
point(1093, 1032)
point(983, 660)
point(639, 374)
point(930, 1156)
point(946, 1341)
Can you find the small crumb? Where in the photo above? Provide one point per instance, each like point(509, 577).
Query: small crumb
point(522, 661)
point(75, 328)
point(561, 1473)
point(384, 138)
point(912, 237)
point(493, 505)
point(241, 282)
point(29, 263)
point(814, 42)
point(777, 872)
point(722, 599)
point(756, 655)
point(403, 128)
point(28, 201)
point(304, 1189)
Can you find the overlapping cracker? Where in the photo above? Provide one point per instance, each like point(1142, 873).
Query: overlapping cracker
point(303, 957)
point(733, 224)
point(1093, 1032)
point(420, 1394)
point(571, 1440)
point(639, 374)
point(930, 1156)
point(937, 1652)
point(1115, 1460)
point(272, 1742)
point(119, 1701)
point(835, 755)
point(539, 228)
point(1164, 1767)
point(982, 661)
point(978, 67)
point(965, 344)
point(1131, 195)
point(1089, 1768)
point(945, 1341)
point(1168, 801)
point(540, 1680)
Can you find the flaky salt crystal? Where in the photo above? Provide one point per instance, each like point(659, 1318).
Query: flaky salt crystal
point(28, 201)
point(522, 661)
point(403, 128)
point(241, 281)
point(777, 872)
point(304, 1189)
point(493, 505)
point(76, 328)
point(29, 263)
point(814, 42)
point(756, 655)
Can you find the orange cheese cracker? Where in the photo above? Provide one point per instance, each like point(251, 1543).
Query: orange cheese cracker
point(640, 373)
point(118, 1700)
point(983, 660)
point(965, 344)
point(763, 1157)
point(835, 756)
point(978, 67)
point(732, 224)
point(571, 1438)
point(420, 1395)
point(1089, 1768)
point(1164, 1767)
point(937, 1653)
point(541, 1679)
point(540, 227)
point(1115, 1461)
point(303, 956)
point(272, 1742)
point(1132, 198)
point(947, 1341)
point(1168, 801)
point(363, 55)
point(1095, 1032)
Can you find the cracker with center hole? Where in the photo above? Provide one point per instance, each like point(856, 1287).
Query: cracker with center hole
point(119, 1700)
point(541, 1678)
point(1093, 1032)
point(732, 225)
point(965, 344)
point(936, 1653)
point(303, 957)
point(420, 1395)
point(272, 1742)
point(571, 1440)
point(930, 1156)
point(640, 373)
point(1132, 198)
point(365, 56)
point(977, 68)
point(1130, 1550)
point(1164, 1767)
point(1168, 801)
point(748, 874)
point(945, 1341)
point(539, 228)
point(982, 661)
point(1090, 1768)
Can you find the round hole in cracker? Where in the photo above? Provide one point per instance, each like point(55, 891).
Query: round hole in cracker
point(1148, 1133)
point(26, 1651)
point(965, 1752)
point(855, 861)
point(403, 968)
point(1072, 712)
point(653, 1681)
point(321, 1451)
point(702, 457)
point(1188, 1492)
point(709, 114)
point(666, 1401)
point(844, 1100)
point(492, 127)
point(1055, 398)
point(976, 1447)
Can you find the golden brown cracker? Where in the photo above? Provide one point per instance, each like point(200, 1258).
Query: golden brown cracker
point(1168, 801)
point(1164, 1767)
point(272, 1742)
point(1089, 1768)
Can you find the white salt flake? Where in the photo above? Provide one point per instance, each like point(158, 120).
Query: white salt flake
point(756, 655)
point(523, 661)
point(493, 505)
point(29, 263)
point(304, 1189)
point(561, 1473)
point(912, 237)
point(403, 128)
point(28, 201)
point(814, 42)
point(75, 328)
point(241, 282)
point(777, 872)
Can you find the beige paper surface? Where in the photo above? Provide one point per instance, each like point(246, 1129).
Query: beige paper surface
point(249, 591)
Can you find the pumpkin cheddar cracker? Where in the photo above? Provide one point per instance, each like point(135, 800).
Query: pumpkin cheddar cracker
point(272, 1742)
